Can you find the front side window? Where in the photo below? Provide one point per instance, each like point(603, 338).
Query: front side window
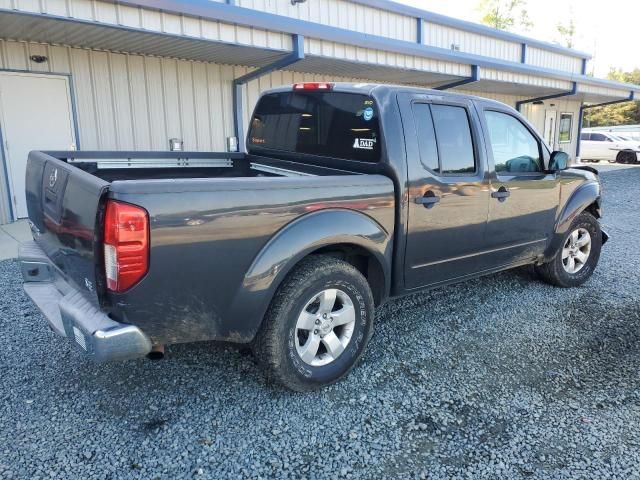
point(566, 125)
point(455, 144)
point(328, 124)
point(515, 149)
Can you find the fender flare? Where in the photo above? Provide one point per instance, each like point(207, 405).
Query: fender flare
point(294, 242)
point(580, 199)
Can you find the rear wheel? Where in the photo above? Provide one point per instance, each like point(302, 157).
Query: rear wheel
point(576, 261)
point(627, 157)
point(318, 324)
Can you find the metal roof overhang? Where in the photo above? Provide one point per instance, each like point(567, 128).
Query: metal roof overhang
point(82, 33)
point(79, 33)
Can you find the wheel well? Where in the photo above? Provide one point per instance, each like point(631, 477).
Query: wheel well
point(366, 263)
point(594, 210)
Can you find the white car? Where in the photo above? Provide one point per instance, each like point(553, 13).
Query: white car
point(596, 146)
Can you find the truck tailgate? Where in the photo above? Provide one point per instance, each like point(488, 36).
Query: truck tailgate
point(64, 205)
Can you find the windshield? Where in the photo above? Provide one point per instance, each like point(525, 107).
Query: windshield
point(329, 124)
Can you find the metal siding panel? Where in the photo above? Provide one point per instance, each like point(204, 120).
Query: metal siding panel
point(129, 16)
point(59, 59)
point(171, 101)
point(201, 107)
point(187, 106)
point(81, 9)
point(122, 101)
point(217, 114)
point(106, 12)
point(139, 106)
point(84, 96)
point(155, 103)
point(101, 77)
point(56, 7)
point(16, 55)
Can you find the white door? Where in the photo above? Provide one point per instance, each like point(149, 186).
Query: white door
point(35, 114)
point(550, 128)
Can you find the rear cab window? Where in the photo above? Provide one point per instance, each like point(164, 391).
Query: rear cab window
point(329, 124)
point(445, 140)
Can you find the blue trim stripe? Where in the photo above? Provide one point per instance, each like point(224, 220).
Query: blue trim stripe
point(523, 53)
point(475, 77)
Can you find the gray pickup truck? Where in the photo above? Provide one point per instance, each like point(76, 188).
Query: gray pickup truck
point(349, 194)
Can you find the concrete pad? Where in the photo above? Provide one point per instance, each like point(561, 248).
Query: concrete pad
point(8, 246)
point(19, 230)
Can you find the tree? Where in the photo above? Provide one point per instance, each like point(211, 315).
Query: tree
point(627, 113)
point(567, 32)
point(505, 14)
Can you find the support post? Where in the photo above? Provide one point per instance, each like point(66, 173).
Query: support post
point(475, 76)
point(295, 56)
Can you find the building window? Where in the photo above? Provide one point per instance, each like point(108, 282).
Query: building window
point(566, 125)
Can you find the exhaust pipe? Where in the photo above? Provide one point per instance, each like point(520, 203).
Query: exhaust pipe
point(156, 353)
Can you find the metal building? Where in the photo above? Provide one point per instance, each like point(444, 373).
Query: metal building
point(133, 74)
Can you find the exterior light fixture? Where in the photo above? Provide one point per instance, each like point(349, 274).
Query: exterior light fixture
point(38, 58)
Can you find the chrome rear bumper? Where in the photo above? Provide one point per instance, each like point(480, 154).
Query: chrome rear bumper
point(71, 315)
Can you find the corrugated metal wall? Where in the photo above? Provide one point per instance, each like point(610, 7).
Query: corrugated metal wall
point(337, 13)
point(153, 20)
point(447, 37)
point(343, 14)
point(327, 48)
point(553, 60)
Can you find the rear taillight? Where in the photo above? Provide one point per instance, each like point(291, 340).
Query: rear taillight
point(126, 245)
point(313, 86)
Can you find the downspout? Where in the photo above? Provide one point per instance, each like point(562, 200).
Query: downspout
point(295, 56)
point(475, 76)
point(586, 107)
point(573, 91)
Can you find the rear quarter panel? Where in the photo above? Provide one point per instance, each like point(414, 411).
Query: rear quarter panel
point(208, 234)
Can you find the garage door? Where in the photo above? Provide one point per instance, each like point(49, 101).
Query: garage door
point(35, 114)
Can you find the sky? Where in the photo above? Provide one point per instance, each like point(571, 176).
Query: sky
point(609, 30)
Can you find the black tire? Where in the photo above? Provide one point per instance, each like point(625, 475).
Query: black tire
point(553, 272)
point(619, 158)
point(275, 344)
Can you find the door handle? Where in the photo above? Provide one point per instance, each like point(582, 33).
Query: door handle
point(429, 199)
point(502, 194)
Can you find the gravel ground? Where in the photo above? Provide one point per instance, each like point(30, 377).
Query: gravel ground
point(501, 377)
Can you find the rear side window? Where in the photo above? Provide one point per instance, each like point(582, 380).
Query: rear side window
point(584, 136)
point(328, 124)
point(455, 145)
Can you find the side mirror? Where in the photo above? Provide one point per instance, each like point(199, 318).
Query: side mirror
point(559, 161)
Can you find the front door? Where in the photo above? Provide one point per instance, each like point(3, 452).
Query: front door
point(550, 128)
point(448, 193)
point(35, 114)
point(524, 196)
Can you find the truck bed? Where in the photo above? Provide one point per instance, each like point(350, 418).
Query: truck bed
point(211, 217)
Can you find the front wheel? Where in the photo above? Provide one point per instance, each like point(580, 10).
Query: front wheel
point(576, 261)
point(318, 324)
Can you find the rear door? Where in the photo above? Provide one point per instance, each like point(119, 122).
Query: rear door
point(35, 114)
point(448, 190)
point(64, 205)
point(524, 196)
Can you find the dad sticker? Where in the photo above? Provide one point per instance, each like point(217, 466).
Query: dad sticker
point(364, 143)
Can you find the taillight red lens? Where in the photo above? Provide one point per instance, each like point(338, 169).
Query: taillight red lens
point(313, 86)
point(126, 245)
